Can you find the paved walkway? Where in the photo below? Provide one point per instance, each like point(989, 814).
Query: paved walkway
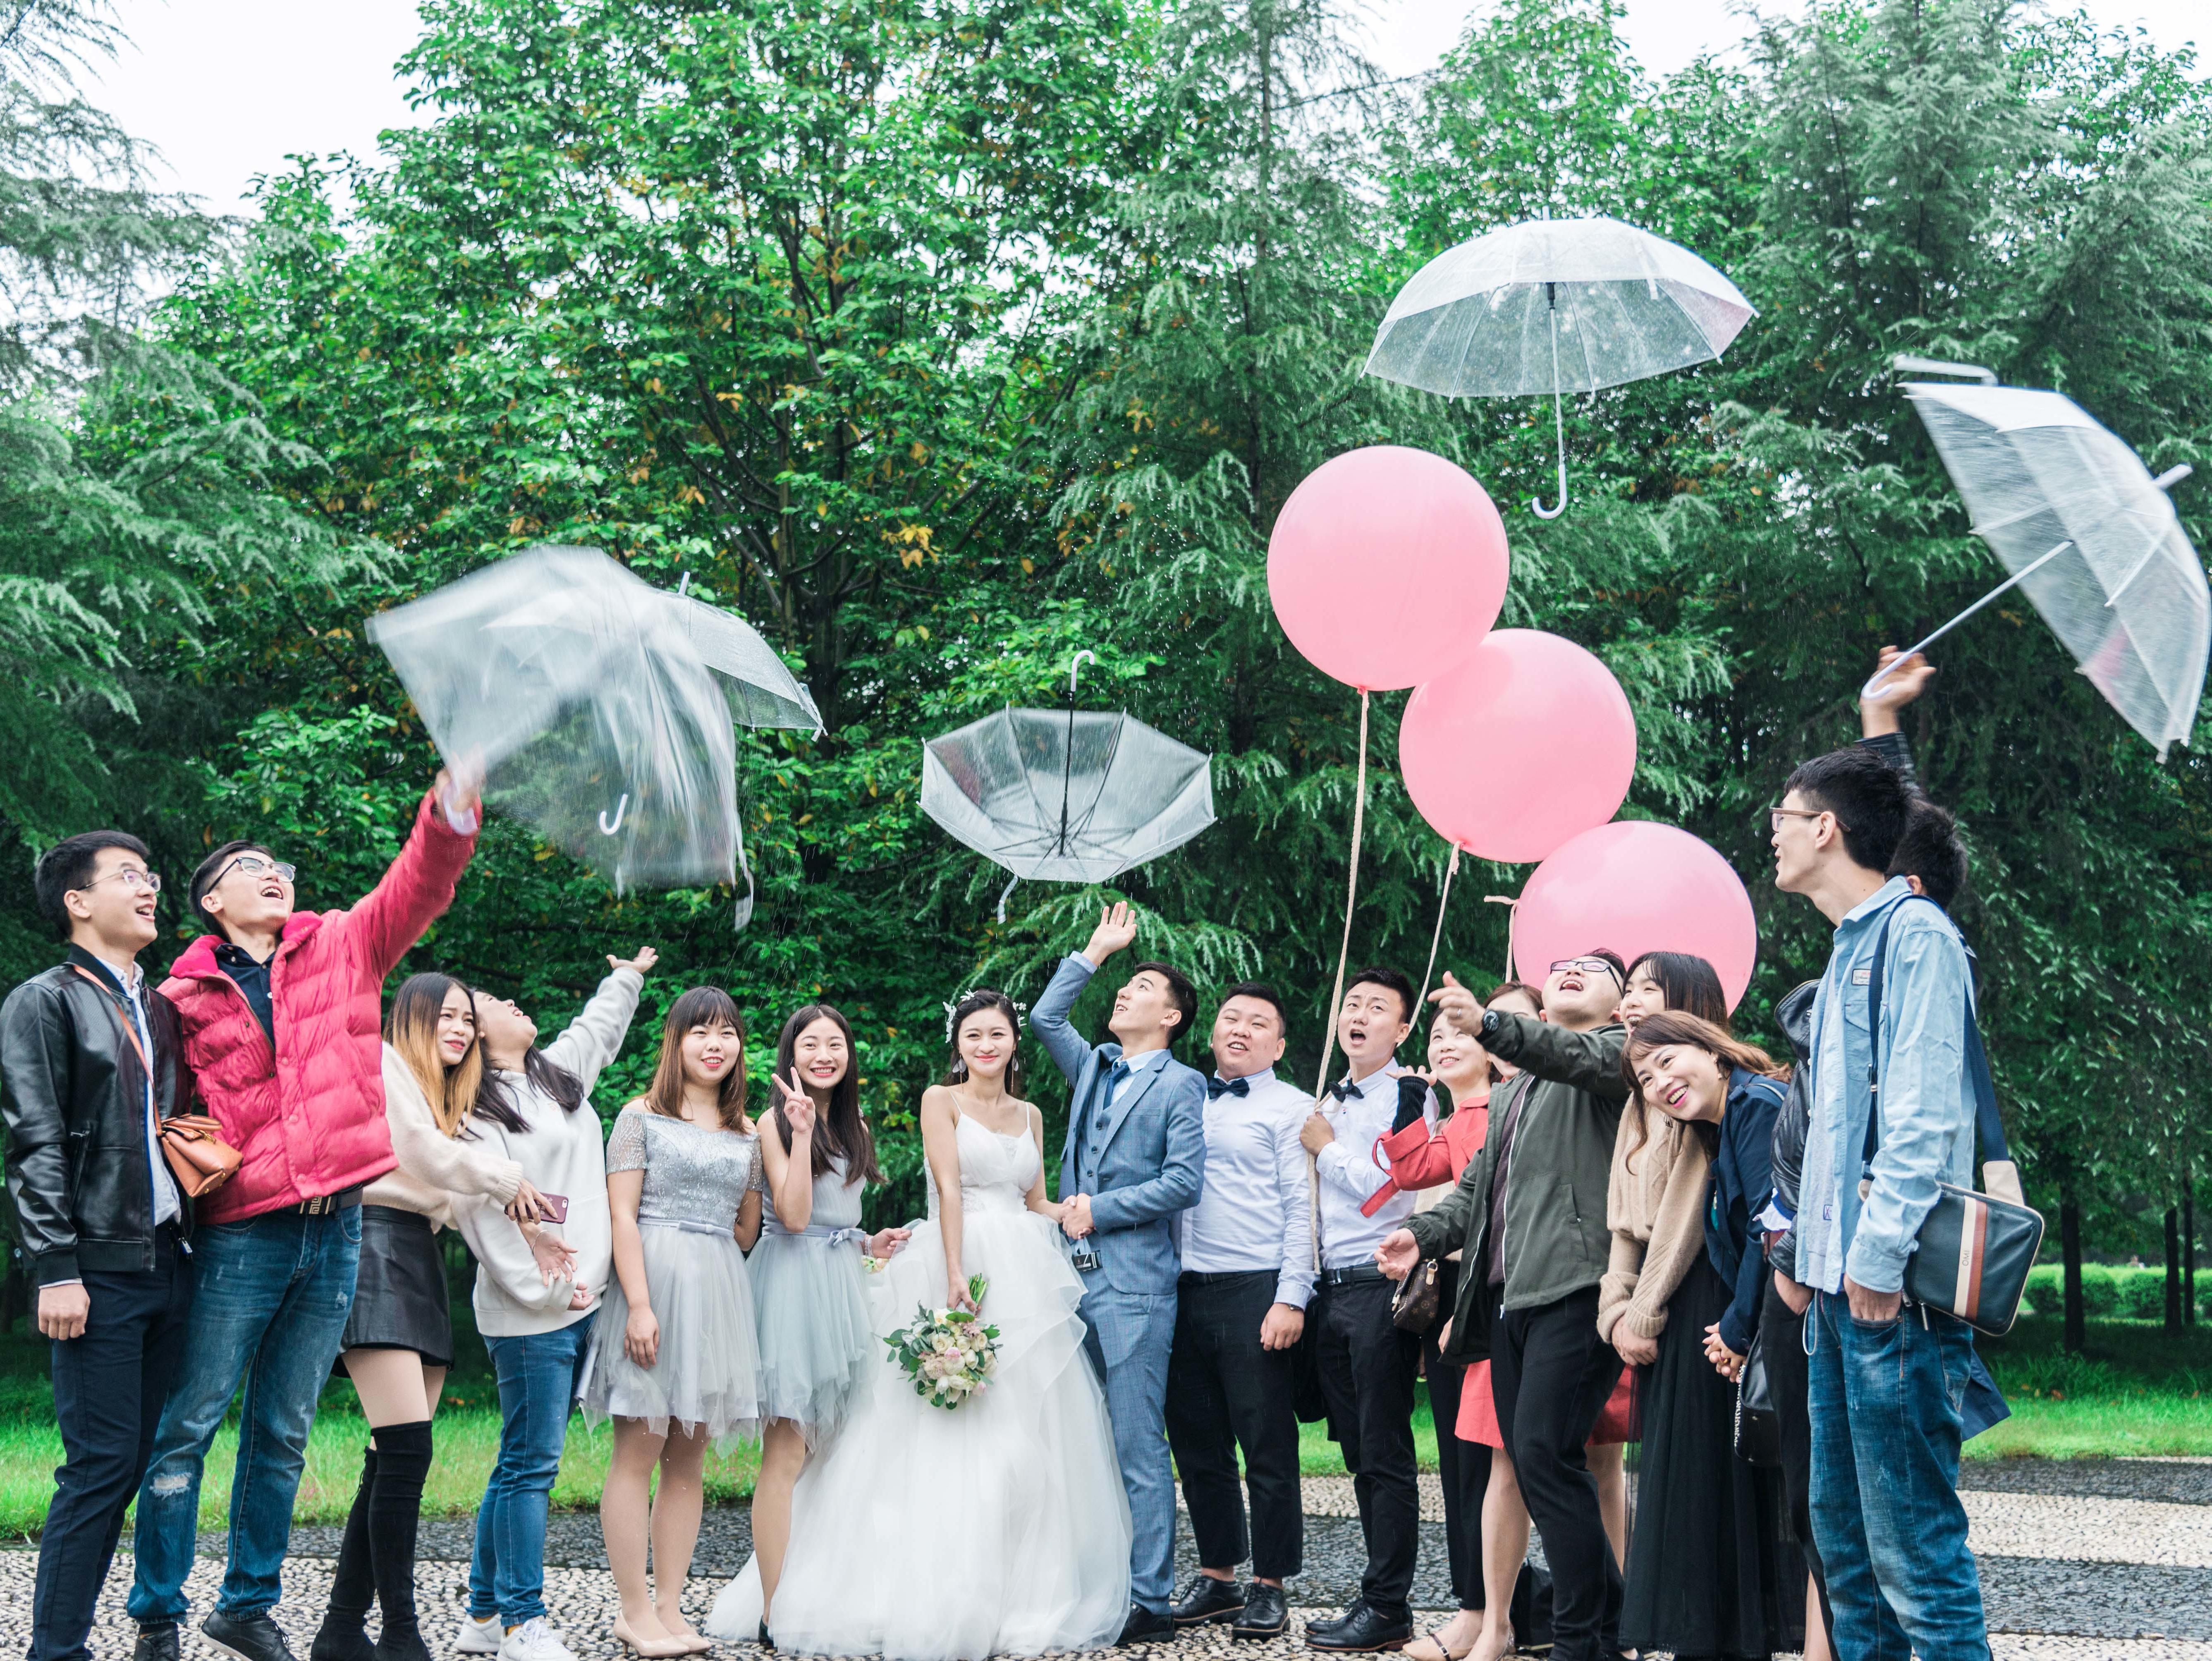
point(2107, 1558)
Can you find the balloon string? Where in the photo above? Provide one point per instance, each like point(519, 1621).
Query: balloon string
point(1343, 957)
point(1512, 911)
point(1451, 870)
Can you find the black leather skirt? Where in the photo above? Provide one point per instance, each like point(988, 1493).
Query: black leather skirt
point(399, 1298)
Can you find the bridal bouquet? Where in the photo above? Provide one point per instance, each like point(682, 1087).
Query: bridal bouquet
point(948, 1353)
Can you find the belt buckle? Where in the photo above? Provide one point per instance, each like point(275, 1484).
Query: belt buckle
point(320, 1205)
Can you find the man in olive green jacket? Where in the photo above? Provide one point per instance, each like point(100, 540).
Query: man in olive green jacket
point(1528, 1218)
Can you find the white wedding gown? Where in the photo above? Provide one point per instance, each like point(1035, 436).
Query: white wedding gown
point(1000, 1527)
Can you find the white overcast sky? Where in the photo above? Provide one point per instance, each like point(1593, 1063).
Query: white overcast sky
point(226, 89)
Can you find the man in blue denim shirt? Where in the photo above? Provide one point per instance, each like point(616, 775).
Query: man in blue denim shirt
point(1887, 1380)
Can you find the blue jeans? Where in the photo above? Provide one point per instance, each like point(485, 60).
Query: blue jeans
point(1129, 1336)
point(269, 1305)
point(538, 1376)
point(1884, 1399)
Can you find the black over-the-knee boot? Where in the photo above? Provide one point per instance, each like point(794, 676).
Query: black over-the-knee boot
point(343, 1636)
point(403, 1463)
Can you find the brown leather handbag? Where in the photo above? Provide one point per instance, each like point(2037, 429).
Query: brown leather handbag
point(1414, 1305)
point(198, 1157)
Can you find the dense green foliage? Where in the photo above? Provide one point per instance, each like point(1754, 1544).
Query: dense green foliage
point(946, 338)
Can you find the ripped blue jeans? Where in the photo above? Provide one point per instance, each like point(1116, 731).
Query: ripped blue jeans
point(270, 1299)
point(1885, 1400)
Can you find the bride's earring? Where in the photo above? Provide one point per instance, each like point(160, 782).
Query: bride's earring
point(959, 1067)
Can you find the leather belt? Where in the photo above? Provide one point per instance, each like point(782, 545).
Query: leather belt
point(1357, 1274)
point(324, 1204)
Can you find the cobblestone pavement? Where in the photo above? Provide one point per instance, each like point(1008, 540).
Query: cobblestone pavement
point(2094, 1558)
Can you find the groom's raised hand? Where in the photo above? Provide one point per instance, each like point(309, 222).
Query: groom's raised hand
point(1116, 928)
point(1075, 1217)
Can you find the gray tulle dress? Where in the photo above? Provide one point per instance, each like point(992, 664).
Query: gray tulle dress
point(808, 1289)
point(708, 1373)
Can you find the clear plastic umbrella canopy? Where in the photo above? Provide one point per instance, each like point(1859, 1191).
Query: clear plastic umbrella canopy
point(588, 706)
point(762, 692)
point(1555, 305)
point(2091, 538)
point(1064, 794)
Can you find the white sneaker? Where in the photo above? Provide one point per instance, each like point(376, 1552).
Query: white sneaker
point(478, 1637)
point(534, 1640)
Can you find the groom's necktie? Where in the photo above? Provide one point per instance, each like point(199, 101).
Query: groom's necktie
point(1102, 1099)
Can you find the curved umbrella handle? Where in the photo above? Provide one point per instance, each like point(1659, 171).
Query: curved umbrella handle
point(621, 807)
point(1558, 427)
point(1075, 667)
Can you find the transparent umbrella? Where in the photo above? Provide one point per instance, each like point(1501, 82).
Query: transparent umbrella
point(1067, 796)
point(1555, 305)
point(762, 692)
point(595, 720)
point(2089, 536)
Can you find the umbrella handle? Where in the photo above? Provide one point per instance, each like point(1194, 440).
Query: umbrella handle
point(621, 807)
point(1866, 691)
point(1075, 667)
point(1559, 430)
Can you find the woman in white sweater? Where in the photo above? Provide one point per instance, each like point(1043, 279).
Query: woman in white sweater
point(399, 1339)
point(535, 1315)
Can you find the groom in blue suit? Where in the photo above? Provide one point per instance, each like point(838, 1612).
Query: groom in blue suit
point(1135, 1157)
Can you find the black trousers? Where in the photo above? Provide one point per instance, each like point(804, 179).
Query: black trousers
point(1551, 1374)
point(1784, 1335)
point(1225, 1393)
point(1368, 1368)
point(109, 1387)
point(1462, 1468)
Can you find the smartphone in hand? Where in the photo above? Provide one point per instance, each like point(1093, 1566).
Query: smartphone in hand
point(556, 1208)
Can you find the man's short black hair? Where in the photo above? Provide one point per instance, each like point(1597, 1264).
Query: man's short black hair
point(1930, 850)
point(1390, 980)
point(1865, 794)
point(70, 864)
point(1260, 992)
point(1179, 987)
point(1620, 964)
point(209, 871)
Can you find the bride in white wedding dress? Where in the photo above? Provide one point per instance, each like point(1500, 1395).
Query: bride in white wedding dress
point(1000, 1527)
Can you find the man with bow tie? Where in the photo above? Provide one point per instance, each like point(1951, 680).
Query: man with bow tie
point(1240, 1305)
point(1367, 1365)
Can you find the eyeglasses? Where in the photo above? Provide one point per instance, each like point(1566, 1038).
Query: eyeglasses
point(253, 865)
point(1584, 966)
point(1775, 815)
point(131, 877)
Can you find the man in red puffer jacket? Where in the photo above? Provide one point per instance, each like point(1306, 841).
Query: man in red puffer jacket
point(281, 1014)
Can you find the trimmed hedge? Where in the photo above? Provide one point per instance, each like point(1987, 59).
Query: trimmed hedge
point(2109, 1294)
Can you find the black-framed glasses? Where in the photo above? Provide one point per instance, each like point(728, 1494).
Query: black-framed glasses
point(131, 877)
point(1584, 966)
point(253, 865)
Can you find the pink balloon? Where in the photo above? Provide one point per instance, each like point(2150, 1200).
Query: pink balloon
point(1388, 566)
point(1637, 887)
point(1527, 741)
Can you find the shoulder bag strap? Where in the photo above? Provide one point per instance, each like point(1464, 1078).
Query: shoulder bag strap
point(1988, 1122)
point(129, 1027)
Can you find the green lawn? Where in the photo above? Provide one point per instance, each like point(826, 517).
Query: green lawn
point(2137, 1392)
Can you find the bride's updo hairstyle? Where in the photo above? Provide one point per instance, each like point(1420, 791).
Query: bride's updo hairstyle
point(984, 997)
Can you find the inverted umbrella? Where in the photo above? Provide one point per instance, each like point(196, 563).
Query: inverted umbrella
point(1555, 305)
point(1067, 796)
point(2088, 535)
point(594, 717)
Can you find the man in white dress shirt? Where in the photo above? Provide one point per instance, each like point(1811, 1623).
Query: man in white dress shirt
point(1240, 1306)
point(1367, 1366)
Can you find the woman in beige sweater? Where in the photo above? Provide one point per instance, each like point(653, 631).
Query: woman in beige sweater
point(399, 1339)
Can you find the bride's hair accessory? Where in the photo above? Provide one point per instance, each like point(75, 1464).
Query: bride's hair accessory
point(981, 997)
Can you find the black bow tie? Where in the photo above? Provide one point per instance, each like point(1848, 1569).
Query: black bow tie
point(1344, 1090)
point(1219, 1087)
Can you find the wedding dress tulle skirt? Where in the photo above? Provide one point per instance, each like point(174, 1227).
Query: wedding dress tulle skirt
point(1000, 1527)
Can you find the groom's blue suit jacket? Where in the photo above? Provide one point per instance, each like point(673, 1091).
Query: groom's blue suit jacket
point(1152, 1160)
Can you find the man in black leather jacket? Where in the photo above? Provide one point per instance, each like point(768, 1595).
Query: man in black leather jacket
point(90, 1055)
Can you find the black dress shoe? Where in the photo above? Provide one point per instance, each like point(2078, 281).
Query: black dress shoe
point(1360, 1627)
point(1208, 1600)
point(1266, 1613)
point(248, 1637)
point(156, 1642)
point(1145, 1626)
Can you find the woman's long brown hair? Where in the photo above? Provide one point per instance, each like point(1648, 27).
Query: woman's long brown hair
point(412, 1031)
point(838, 1127)
point(1676, 1027)
point(702, 1006)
